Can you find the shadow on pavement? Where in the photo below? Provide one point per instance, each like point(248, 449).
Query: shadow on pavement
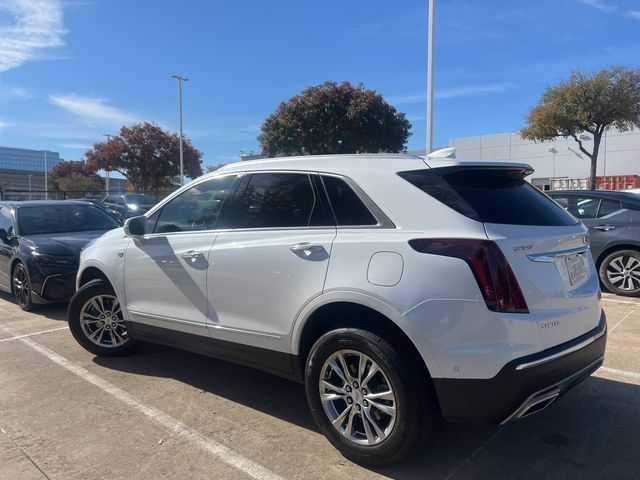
point(54, 311)
point(592, 432)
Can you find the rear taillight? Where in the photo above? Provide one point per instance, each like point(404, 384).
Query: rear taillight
point(493, 273)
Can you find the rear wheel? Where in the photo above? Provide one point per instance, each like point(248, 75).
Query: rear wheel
point(97, 323)
point(369, 401)
point(21, 287)
point(620, 273)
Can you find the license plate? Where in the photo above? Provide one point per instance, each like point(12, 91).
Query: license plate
point(576, 267)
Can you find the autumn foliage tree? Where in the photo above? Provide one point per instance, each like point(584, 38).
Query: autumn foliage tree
point(147, 156)
point(588, 103)
point(75, 176)
point(334, 118)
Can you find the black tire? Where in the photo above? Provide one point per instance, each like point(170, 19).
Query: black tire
point(21, 287)
point(98, 289)
point(416, 413)
point(627, 283)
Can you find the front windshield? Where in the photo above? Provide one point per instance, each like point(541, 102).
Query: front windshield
point(139, 198)
point(45, 219)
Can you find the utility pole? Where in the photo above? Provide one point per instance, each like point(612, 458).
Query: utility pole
point(107, 171)
point(180, 80)
point(46, 177)
point(430, 51)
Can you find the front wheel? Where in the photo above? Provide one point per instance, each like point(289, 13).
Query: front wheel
point(367, 399)
point(620, 273)
point(21, 287)
point(96, 321)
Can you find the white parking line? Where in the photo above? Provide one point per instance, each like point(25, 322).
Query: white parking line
point(18, 337)
point(179, 428)
point(626, 302)
point(622, 373)
point(623, 319)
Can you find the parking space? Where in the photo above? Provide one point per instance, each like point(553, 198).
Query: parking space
point(164, 413)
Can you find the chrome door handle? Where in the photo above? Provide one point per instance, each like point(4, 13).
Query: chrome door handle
point(192, 256)
point(605, 228)
point(306, 248)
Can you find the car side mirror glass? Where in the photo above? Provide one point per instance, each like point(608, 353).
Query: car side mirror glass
point(136, 227)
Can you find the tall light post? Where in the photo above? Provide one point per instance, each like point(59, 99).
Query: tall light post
point(46, 177)
point(107, 171)
point(430, 51)
point(180, 80)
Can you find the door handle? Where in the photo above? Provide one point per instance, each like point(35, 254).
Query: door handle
point(306, 248)
point(192, 256)
point(605, 228)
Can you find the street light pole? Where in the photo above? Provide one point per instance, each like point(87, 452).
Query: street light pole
point(107, 171)
point(430, 51)
point(180, 80)
point(46, 177)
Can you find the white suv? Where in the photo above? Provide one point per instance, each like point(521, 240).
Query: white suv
point(397, 289)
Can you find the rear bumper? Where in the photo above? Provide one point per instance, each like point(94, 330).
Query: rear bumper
point(524, 385)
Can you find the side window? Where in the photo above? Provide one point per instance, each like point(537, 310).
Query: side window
point(195, 209)
point(346, 204)
point(276, 200)
point(5, 221)
point(108, 199)
point(585, 207)
point(562, 201)
point(608, 206)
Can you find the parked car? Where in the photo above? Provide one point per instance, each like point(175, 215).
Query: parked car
point(129, 204)
point(40, 243)
point(613, 219)
point(391, 286)
point(98, 203)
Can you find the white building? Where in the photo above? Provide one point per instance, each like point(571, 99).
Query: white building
point(619, 154)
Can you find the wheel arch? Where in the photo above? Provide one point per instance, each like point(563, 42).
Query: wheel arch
point(612, 248)
point(89, 274)
point(357, 311)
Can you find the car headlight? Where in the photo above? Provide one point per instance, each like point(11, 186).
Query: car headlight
point(54, 260)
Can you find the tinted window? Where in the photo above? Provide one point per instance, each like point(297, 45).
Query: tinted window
point(347, 206)
point(139, 198)
point(270, 200)
point(608, 206)
point(45, 219)
point(490, 195)
point(195, 209)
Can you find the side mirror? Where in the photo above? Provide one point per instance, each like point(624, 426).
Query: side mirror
point(135, 227)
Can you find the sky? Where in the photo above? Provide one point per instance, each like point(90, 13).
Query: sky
point(72, 71)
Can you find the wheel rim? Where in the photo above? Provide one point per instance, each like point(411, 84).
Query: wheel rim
point(357, 397)
point(21, 287)
point(623, 273)
point(102, 321)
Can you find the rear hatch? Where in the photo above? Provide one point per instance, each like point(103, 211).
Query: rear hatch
point(546, 247)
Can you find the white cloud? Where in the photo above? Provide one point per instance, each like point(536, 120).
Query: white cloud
point(452, 92)
point(7, 94)
point(76, 146)
point(36, 25)
point(633, 14)
point(600, 5)
point(92, 109)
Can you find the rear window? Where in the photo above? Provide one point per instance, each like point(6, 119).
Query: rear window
point(490, 195)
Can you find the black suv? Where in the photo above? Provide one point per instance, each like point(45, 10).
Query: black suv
point(129, 204)
point(613, 219)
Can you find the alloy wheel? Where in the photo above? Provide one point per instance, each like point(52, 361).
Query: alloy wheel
point(102, 321)
point(357, 397)
point(21, 286)
point(624, 273)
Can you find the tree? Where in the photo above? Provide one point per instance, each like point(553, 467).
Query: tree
point(75, 176)
point(587, 103)
point(334, 118)
point(147, 156)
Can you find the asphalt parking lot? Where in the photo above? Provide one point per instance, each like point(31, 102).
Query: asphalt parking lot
point(164, 413)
